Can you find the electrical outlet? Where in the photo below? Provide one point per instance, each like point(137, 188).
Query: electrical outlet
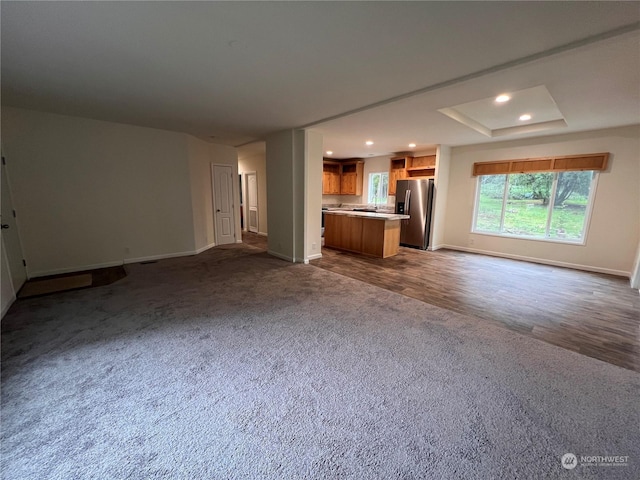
point(314, 246)
point(127, 250)
point(471, 241)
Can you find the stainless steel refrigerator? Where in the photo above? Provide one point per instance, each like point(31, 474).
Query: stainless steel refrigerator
point(415, 198)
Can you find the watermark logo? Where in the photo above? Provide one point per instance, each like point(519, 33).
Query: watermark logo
point(569, 461)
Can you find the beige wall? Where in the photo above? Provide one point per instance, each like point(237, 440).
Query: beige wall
point(92, 193)
point(614, 230)
point(312, 194)
point(257, 162)
point(440, 198)
point(294, 178)
point(280, 206)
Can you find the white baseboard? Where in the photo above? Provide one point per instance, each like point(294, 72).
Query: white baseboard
point(206, 247)
point(264, 234)
point(543, 261)
point(239, 240)
point(77, 268)
point(315, 256)
point(281, 256)
point(115, 263)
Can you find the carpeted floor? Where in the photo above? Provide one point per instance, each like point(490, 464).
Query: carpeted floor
point(236, 365)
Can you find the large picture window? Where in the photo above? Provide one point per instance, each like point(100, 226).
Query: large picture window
point(554, 206)
point(378, 188)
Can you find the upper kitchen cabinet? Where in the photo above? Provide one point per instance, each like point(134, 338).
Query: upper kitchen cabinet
point(331, 172)
point(422, 166)
point(397, 171)
point(351, 180)
point(410, 167)
point(342, 178)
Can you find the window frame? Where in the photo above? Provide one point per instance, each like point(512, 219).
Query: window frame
point(370, 182)
point(588, 211)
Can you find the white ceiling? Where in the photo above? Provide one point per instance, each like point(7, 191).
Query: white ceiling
point(238, 71)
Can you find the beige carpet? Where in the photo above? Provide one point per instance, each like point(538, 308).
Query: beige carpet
point(235, 365)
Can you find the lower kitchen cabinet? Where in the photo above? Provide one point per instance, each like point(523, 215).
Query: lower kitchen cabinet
point(377, 236)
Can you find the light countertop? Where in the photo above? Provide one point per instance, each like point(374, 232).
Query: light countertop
point(374, 215)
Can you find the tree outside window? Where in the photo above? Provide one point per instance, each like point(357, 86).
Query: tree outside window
point(538, 205)
point(378, 188)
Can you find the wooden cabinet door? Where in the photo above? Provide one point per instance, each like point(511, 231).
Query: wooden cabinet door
point(352, 233)
point(397, 171)
point(332, 230)
point(326, 183)
point(348, 186)
point(335, 184)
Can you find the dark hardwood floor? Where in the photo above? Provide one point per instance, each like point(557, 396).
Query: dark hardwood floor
point(593, 314)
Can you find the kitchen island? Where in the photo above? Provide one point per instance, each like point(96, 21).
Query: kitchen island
point(370, 233)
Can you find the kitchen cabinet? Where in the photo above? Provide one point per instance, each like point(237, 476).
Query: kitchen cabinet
point(397, 171)
point(372, 234)
point(342, 178)
point(410, 167)
point(351, 178)
point(331, 173)
point(424, 166)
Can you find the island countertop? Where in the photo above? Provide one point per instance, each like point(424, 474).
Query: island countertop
point(373, 215)
point(370, 233)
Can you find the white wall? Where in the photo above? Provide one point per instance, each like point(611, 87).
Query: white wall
point(615, 228)
point(294, 176)
point(439, 211)
point(280, 205)
point(312, 194)
point(91, 193)
point(257, 162)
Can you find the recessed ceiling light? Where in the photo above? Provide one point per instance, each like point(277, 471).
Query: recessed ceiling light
point(369, 142)
point(525, 117)
point(412, 145)
point(503, 98)
point(329, 152)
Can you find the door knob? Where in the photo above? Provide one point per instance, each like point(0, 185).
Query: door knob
point(218, 210)
point(4, 225)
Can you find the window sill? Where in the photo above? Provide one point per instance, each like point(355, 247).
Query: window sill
point(577, 243)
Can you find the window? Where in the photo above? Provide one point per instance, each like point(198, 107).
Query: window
point(378, 187)
point(552, 206)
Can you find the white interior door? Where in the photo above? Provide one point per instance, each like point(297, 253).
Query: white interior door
point(10, 238)
point(252, 202)
point(224, 219)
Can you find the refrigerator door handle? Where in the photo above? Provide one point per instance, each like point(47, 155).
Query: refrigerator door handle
point(407, 199)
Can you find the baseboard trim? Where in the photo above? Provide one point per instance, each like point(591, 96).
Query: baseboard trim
point(115, 263)
point(80, 268)
point(264, 234)
point(543, 261)
point(206, 247)
point(281, 256)
point(162, 256)
point(315, 256)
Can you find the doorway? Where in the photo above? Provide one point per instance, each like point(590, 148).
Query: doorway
point(223, 212)
point(252, 201)
point(12, 259)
